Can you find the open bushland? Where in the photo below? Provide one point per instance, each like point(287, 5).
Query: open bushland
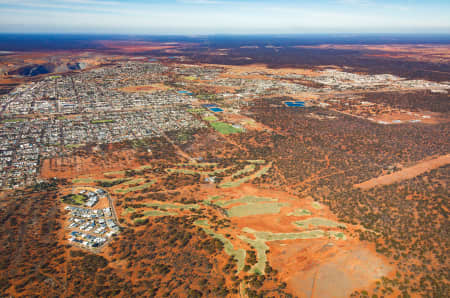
point(262, 199)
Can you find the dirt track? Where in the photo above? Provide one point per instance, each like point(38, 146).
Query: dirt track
point(407, 173)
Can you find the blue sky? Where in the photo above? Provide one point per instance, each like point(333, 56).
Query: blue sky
point(224, 16)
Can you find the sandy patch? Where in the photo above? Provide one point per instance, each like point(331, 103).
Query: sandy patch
point(407, 173)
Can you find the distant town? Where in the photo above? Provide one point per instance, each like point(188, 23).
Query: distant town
point(108, 105)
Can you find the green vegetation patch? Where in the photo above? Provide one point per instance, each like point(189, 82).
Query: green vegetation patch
point(13, 120)
point(316, 205)
point(102, 121)
point(173, 206)
point(245, 199)
point(202, 222)
point(246, 170)
point(261, 247)
point(337, 235)
point(116, 173)
point(225, 128)
point(74, 146)
point(121, 173)
point(269, 236)
point(255, 209)
point(74, 199)
point(128, 210)
point(197, 110)
point(257, 161)
point(210, 200)
point(82, 180)
point(199, 164)
point(300, 212)
point(135, 188)
point(195, 172)
point(110, 182)
point(146, 167)
point(159, 213)
point(183, 171)
point(237, 183)
point(237, 254)
point(190, 78)
point(210, 118)
point(318, 221)
point(216, 197)
point(262, 171)
point(233, 184)
point(134, 181)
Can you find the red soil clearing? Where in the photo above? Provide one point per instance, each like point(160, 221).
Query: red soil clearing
point(406, 173)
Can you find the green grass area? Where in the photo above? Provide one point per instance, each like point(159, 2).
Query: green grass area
point(74, 199)
point(337, 235)
point(257, 161)
point(247, 169)
point(110, 182)
point(184, 171)
point(54, 77)
point(318, 222)
point(300, 212)
point(233, 184)
point(139, 143)
point(245, 199)
point(74, 146)
point(146, 167)
point(202, 222)
point(135, 188)
point(173, 206)
point(262, 171)
point(237, 254)
point(210, 200)
point(255, 209)
point(139, 220)
point(128, 210)
point(225, 128)
point(61, 118)
point(159, 213)
point(261, 247)
point(82, 180)
point(316, 205)
point(13, 120)
point(199, 164)
point(102, 121)
point(116, 173)
point(197, 110)
point(134, 181)
point(195, 172)
point(211, 118)
point(269, 236)
point(190, 78)
point(237, 183)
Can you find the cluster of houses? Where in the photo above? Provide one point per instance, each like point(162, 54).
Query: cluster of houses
point(341, 80)
point(84, 108)
point(91, 228)
point(92, 197)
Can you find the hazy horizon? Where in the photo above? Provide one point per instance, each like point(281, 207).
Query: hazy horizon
point(208, 17)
